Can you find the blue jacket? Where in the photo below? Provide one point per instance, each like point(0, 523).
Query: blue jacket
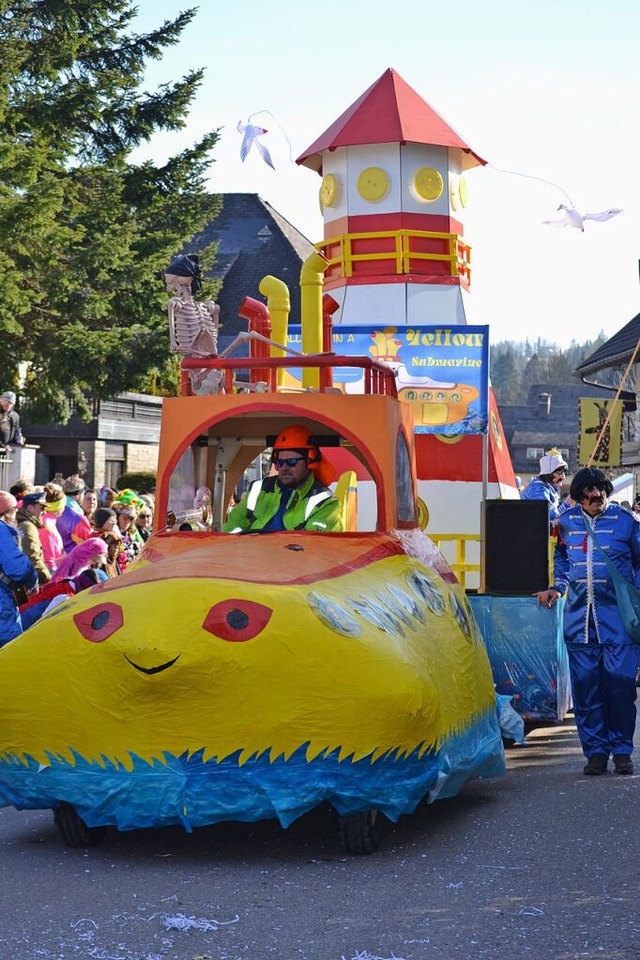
point(538, 489)
point(579, 567)
point(14, 566)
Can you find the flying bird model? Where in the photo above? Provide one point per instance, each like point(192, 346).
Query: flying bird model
point(251, 134)
point(573, 218)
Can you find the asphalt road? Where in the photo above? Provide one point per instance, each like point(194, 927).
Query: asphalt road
point(542, 863)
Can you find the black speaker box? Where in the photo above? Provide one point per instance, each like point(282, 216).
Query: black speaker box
point(516, 546)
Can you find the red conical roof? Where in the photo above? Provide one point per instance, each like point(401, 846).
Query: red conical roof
point(390, 111)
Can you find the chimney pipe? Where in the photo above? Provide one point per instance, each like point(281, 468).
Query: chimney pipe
point(544, 405)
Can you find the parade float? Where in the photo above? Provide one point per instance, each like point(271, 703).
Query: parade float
point(228, 677)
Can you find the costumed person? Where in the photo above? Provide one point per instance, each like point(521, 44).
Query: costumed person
point(105, 525)
point(193, 325)
point(603, 659)
point(297, 498)
point(132, 542)
point(73, 526)
point(90, 553)
point(548, 483)
point(52, 546)
point(15, 568)
point(144, 520)
point(30, 527)
point(76, 571)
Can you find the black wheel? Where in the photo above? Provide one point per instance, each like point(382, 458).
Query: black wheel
point(360, 832)
point(73, 828)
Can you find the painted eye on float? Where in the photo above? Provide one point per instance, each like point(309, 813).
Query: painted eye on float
point(237, 620)
point(100, 622)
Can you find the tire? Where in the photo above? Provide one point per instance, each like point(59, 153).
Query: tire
point(74, 830)
point(359, 833)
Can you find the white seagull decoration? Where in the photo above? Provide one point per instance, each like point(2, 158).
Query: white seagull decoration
point(573, 218)
point(251, 134)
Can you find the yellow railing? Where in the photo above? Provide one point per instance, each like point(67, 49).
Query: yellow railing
point(458, 255)
point(460, 566)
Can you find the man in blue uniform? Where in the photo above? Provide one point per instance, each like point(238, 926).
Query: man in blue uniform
point(548, 483)
point(603, 659)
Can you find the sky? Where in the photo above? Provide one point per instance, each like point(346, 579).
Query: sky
point(549, 91)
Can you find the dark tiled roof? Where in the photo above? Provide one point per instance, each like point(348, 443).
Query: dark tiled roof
point(563, 411)
point(254, 241)
point(531, 426)
point(617, 350)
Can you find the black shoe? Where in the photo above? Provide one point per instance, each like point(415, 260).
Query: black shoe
point(622, 763)
point(596, 765)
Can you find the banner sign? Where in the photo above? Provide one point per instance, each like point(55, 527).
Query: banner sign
point(593, 416)
point(442, 371)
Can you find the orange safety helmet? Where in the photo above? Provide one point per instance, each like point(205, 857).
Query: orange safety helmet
point(298, 437)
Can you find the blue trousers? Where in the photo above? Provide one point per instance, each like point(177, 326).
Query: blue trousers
point(603, 683)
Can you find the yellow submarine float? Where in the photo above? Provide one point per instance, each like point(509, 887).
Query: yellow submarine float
point(237, 678)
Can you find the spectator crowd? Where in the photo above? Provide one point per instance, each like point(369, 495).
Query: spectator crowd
point(61, 538)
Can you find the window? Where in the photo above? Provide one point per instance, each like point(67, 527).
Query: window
point(406, 504)
point(534, 453)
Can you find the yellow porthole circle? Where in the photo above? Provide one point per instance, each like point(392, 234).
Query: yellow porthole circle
point(463, 189)
point(373, 184)
point(454, 194)
point(428, 184)
point(423, 514)
point(328, 190)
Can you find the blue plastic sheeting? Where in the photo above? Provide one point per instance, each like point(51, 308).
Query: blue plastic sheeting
point(193, 792)
point(527, 653)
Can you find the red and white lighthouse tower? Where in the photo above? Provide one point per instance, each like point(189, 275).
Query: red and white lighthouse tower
point(393, 197)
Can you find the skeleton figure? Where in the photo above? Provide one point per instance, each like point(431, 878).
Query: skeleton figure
point(193, 326)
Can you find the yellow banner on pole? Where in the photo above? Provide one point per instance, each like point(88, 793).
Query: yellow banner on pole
point(593, 415)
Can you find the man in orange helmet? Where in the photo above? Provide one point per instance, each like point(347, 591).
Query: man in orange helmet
point(296, 498)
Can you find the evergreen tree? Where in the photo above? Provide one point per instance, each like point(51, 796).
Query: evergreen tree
point(534, 372)
point(85, 232)
point(560, 368)
point(504, 376)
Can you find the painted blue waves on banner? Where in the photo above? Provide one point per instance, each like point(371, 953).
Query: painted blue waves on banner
point(442, 371)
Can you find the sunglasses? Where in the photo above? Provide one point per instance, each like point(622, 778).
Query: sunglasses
point(287, 461)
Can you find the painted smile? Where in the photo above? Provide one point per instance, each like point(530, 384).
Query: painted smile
point(151, 670)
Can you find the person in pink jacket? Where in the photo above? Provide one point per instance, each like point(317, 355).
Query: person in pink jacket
point(52, 546)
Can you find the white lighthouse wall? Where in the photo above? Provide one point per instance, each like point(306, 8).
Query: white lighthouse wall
point(386, 156)
point(434, 304)
point(399, 304)
point(415, 156)
point(381, 304)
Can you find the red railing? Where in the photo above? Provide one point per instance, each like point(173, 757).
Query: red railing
point(378, 377)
